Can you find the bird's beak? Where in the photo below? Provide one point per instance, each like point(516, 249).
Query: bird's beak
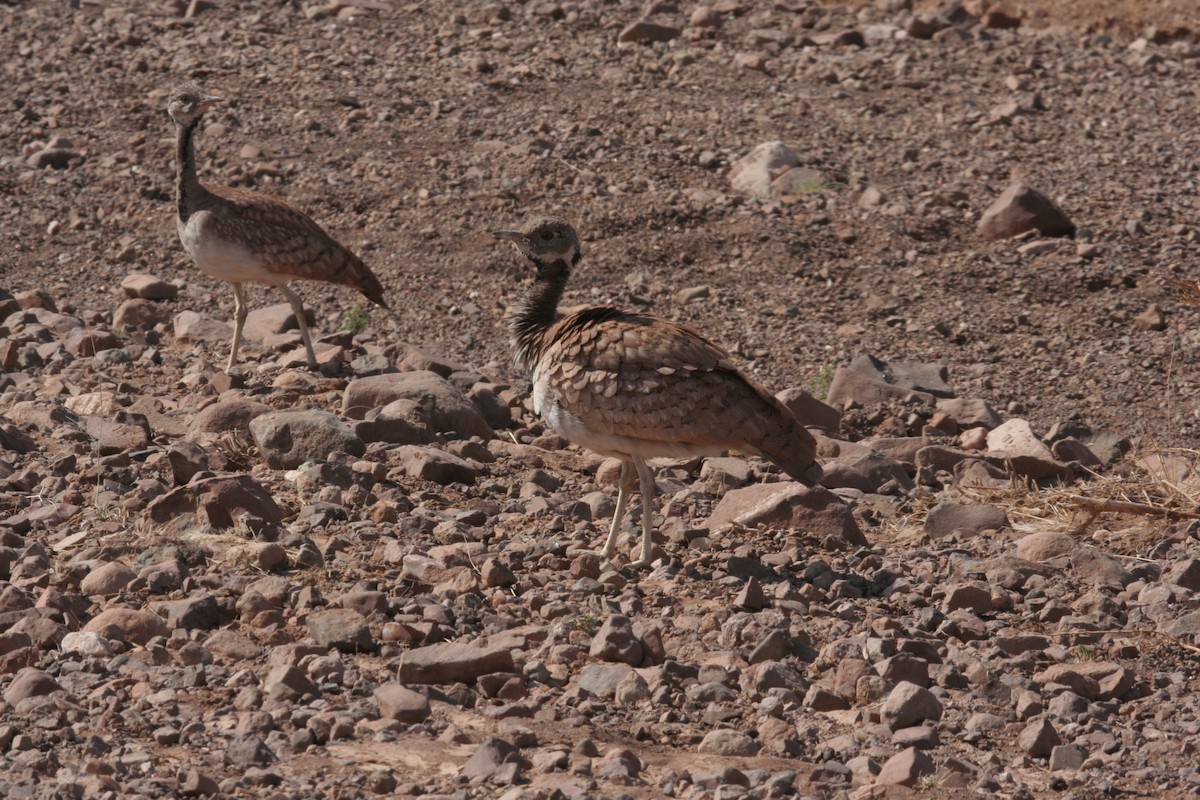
point(208, 100)
point(512, 236)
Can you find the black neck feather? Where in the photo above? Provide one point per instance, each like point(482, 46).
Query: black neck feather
point(537, 312)
point(185, 168)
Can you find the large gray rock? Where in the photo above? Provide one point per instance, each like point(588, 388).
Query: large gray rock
point(726, 742)
point(1024, 453)
point(286, 680)
point(30, 682)
point(969, 412)
point(1014, 438)
point(401, 421)
point(491, 757)
point(866, 471)
point(186, 459)
point(644, 31)
point(1185, 573)
point(135, 625)
point(452, 411)
point(917, 377)
point(809, 410)
point(140, 314)
point(603, 680)
point(754, 172)
point(192, 328)
point(199, 612)
point(287, 439)
point(854, 387)
point(968, 519)
point(267, 321)
point(1045, 545)
point(14, 439)
point(340, 628)
point(89, 341)
point(108, 579)
point(431, 464)
point(1067, 757)
point(1039, 739)
point(248, 749)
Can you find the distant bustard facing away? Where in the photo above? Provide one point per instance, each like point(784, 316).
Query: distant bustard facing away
point(239, 236)
point(635, 386)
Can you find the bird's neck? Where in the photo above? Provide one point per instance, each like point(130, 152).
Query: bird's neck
point(537, 312)
point(187, 185)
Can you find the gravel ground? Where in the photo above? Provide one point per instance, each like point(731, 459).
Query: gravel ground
point(373, 579)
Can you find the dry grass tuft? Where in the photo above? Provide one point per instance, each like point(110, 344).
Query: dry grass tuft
point(1189, 291)
point(1124, 509)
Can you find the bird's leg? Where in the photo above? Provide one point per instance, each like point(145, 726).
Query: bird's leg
point(298, 309)
point(628, 474)
point(648, 489)
point(239, 321)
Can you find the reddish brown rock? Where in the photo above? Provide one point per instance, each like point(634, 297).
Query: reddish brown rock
point(645, 31)
point(232, 414)
point(788, 505)
point(148, 287)
point(140, 314)
point(135, 625)
point(1039, 739)
point(852, 388)
point(218, 502)
point(905, 768)
point(1022, 208)
point(89, 341)
point(28, 683)
point(452, 661)
point(402, 704)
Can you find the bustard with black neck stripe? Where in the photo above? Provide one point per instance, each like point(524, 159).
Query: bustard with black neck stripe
point(636, 386)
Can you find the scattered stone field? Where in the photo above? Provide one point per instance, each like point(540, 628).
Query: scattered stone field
point(960, 241)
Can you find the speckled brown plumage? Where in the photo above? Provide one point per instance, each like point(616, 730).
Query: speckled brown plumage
point(240, 236)
point(646, 378)
point(637, 386)
point(285, 241)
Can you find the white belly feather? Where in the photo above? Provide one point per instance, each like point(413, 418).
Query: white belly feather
point(220, 257)
point(572, 428)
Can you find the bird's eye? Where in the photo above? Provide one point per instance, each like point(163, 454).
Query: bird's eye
point(547, 236)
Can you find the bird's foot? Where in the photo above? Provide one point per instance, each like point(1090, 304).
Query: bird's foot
point(588, 551)
point(609, 555)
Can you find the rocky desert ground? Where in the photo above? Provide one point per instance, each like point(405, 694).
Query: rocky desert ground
point(959, 240)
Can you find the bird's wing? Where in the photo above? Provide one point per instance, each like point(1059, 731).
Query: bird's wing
point(288, 242)
point(651, 379)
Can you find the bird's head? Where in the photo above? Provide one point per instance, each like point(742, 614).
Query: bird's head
point(187, 104)
point(549, 242)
